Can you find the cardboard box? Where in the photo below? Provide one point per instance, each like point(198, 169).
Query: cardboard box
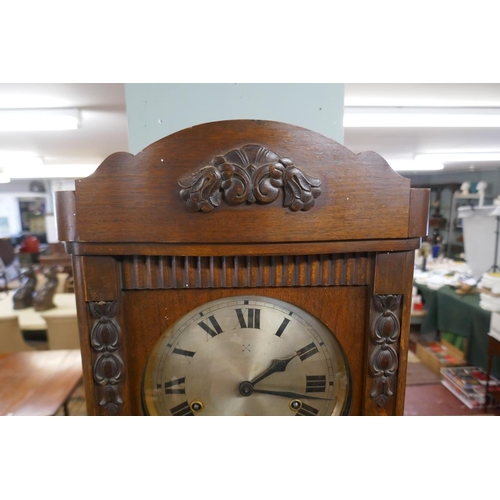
point(437, 355)
point(454, 351)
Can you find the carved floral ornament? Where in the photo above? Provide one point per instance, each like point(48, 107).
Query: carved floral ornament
point(384, 360)
point(251, 174)
point(108, 366)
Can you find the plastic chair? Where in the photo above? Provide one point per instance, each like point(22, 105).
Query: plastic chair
point(11, 337)
point(62, 332)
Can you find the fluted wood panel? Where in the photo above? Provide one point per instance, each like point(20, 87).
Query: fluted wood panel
point(167, 272)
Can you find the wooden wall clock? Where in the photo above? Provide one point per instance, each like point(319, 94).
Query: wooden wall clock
point(243, 268)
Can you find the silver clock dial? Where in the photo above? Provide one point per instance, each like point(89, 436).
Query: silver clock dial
point(247, 355)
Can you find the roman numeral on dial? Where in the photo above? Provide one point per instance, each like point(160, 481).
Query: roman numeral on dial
point(216, 330)
point(282, 327)
point(183, 352)
point(182, 410)
point(315, 383)
point(252, 319)
point(307, 411)
point(174, 386)
point(307, 351)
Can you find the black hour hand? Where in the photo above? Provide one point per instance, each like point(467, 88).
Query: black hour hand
point(277, 365)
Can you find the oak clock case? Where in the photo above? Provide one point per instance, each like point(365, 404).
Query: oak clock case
point(247, 356)
point(267, 212)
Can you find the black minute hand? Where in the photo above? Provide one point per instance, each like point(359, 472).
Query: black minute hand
point(287, 394)
point(277, 365)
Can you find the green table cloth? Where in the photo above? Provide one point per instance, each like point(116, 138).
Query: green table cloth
point(460, 315)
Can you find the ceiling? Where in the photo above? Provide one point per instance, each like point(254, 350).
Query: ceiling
point(407, 142)
point(104, 129)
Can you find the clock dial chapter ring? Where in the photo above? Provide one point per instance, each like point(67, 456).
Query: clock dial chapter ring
point(211, 360)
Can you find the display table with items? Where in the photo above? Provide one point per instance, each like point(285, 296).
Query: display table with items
point(32, 320)
point(462, 301)
point(461, 316)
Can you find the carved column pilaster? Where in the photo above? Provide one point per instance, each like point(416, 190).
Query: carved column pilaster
point(383, 357)
point(105, 340)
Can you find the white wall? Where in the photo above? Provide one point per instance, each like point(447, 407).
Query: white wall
point(156, 110)
point(9, 205)
point(9, 209)
point(9, 202)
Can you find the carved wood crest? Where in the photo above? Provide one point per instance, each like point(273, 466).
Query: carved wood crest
point(250, 174)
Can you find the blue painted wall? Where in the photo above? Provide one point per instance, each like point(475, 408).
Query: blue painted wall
point(156, 110)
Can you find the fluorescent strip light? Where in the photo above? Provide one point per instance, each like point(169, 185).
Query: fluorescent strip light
point(377, 117)
point(23, 165)
point(71, 171)
point(4, 178)
point(414, 165)
point(458, 157)
point(23, 120)
point(9, 161)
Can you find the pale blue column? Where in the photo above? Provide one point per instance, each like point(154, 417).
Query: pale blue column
point(155, 110)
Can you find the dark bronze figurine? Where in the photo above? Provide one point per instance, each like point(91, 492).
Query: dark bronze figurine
point(42, 298)
point(23, 296)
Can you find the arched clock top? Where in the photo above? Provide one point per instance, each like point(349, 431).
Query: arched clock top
point(248, 181)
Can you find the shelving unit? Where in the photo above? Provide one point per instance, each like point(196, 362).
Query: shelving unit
point(436, 219)
point(449, 204)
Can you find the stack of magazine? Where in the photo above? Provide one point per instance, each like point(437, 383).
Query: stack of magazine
point(468, 383)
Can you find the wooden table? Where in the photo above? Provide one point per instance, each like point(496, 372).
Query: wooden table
point(37, 383)
point(29, 319)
